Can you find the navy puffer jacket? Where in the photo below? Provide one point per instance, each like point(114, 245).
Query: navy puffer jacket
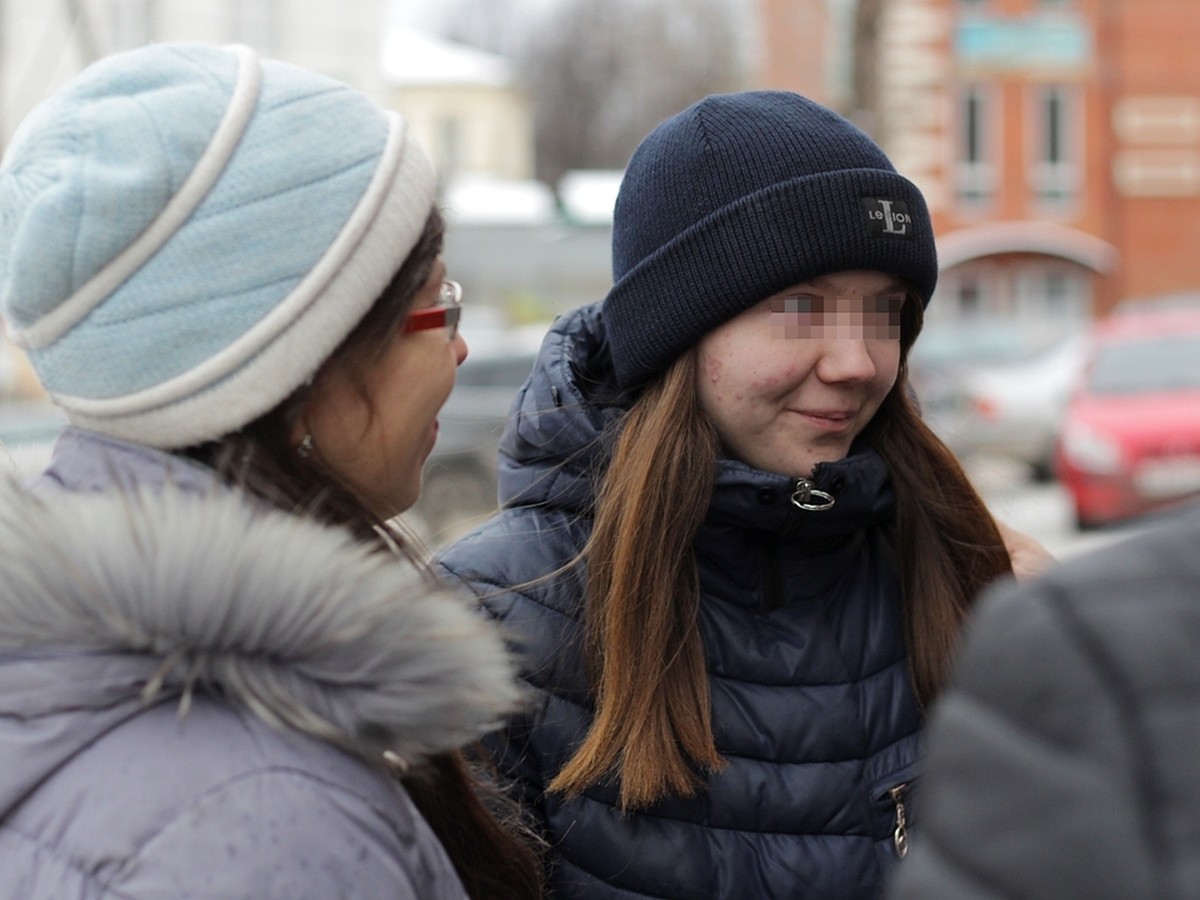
point(803, 634)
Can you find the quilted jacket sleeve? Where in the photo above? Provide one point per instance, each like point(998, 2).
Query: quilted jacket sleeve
point(286, 834)
point(1031, 787)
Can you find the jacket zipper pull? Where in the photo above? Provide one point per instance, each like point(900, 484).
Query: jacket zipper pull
point(806, 496)
point(900, 835)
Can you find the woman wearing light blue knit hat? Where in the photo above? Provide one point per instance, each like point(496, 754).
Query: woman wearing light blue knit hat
point(216, 677)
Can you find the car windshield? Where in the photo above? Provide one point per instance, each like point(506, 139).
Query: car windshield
point(947, 345)
point(1168, 363)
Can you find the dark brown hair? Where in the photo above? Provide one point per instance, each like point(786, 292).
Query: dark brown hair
point(481, 831)
point(652, 728)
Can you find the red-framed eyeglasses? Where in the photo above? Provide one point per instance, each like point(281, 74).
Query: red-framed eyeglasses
point(445, 315)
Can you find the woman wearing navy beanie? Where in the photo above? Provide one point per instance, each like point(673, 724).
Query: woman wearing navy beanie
point(734, 558)
point(221, 675)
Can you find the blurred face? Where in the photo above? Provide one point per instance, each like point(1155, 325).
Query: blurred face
point(375, 429)
point(794, 380)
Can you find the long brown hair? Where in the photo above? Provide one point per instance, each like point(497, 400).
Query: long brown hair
point(482, 832)
point(652, 727)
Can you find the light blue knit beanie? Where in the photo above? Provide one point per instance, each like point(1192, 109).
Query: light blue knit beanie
point(187, 232)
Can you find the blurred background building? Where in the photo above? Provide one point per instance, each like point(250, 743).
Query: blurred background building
point(465, 105)
point(1058, 141)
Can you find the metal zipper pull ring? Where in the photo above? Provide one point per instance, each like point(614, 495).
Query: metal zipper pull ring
point(900, 835)
point(806, 496)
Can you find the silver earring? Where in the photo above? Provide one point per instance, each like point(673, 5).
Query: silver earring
point(305, 448)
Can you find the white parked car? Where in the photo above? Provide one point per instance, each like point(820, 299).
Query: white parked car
point(1013, 409)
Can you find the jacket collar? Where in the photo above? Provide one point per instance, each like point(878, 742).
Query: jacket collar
point(85, 460)
point(859, 487)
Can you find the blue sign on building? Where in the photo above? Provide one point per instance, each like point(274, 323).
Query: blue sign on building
point(1058, 41)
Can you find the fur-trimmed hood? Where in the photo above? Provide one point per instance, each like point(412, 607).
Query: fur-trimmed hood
point(112, 600)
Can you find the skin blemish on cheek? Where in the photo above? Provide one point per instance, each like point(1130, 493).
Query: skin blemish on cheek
point(767, 384)
point(770, 379)
point(710, 368)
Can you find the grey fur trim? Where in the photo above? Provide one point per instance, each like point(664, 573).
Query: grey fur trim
point(295, 620)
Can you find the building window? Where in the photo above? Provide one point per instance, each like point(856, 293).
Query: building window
point(1055, 171)
point(970, 296)
point(968, 293)
point(1054, 296)
point(975, 177)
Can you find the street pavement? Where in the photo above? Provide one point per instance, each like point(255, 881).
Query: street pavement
point(1042, 510)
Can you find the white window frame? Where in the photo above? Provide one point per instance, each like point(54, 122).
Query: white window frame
point(1055, 170)
point(1038, 303)
point(976, 172)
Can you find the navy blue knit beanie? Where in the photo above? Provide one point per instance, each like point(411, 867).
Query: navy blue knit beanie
point(738, 197)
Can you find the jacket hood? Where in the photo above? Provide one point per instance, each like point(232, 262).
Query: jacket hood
point(562, 426)
point(562, 416)
point(113, 600)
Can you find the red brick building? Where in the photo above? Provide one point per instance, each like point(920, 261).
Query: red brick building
point(1058, 141)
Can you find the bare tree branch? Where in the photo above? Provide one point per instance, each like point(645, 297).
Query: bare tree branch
point(603, 74)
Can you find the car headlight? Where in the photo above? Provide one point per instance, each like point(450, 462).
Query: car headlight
point(1091, 450)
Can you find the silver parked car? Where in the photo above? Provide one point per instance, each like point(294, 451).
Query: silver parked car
point(1011, 408)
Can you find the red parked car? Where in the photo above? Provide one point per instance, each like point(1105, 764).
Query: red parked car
point(1130, 439)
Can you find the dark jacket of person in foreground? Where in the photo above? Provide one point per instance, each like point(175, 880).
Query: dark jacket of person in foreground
point(1064, 759)
point(801, 618)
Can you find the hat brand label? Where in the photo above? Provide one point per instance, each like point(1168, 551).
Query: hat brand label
point(889, 217)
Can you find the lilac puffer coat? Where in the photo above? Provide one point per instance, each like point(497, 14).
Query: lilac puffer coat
point(196, 693)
